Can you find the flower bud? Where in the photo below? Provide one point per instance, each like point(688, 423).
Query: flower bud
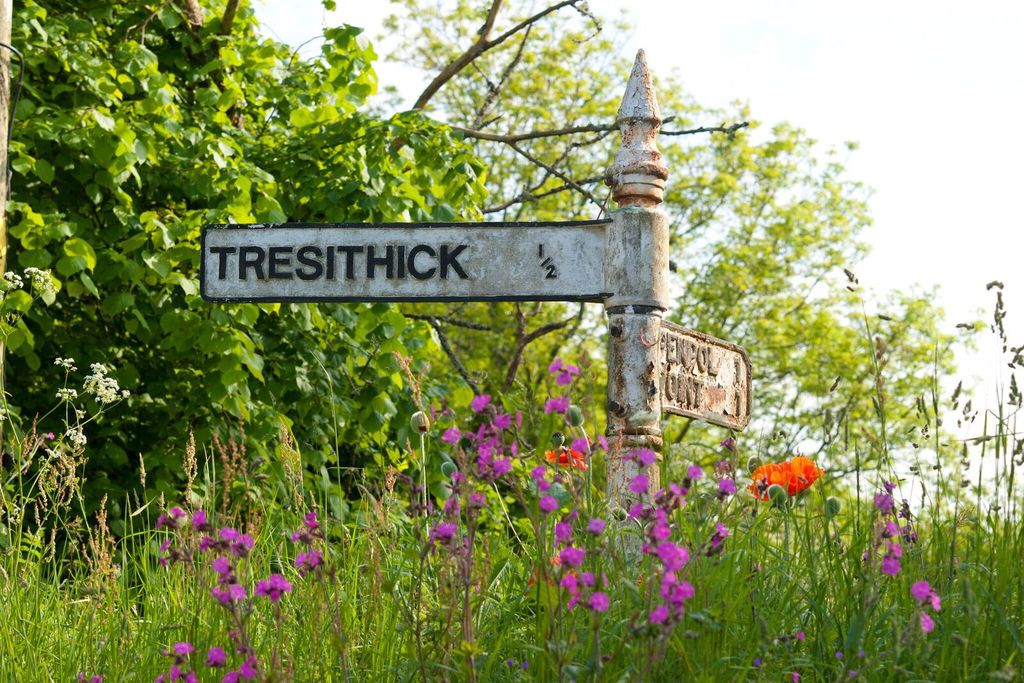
point(448, 468)
point(832, 506)
point(574, 416)
point(419, 421)
point(557, 439)
point(778, 495)
point(753, 463)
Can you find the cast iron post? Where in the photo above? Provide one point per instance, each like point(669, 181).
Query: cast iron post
point(636, 269)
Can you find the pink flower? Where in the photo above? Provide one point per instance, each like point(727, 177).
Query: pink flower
point(927, 624)
point(216, 657)
point(273, 587)
point(890, 565)
point(451, 436)
point(639, 484)
point(480, 403)
point(920, 591)
point(726, 487)
point(596, 526)
point(694, 472)
point(573, 557)
point(659, 615)
point(558, 404)
point(599, 602)
point(548, 504)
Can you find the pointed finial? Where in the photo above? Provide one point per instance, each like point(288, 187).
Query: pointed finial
point(638, 174)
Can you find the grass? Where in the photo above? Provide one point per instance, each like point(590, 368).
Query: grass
point(795, 591)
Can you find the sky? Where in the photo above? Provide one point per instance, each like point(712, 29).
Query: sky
point(930, 90)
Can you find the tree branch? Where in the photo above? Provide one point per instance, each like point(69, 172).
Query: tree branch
point(495, 90)
point(728, 130)
point(450, 352)
point(228, 18)
point(459, 63)
point(456, 322)
point(555, 172)
point(526, 340)
point(531, 196)
point(482, 45)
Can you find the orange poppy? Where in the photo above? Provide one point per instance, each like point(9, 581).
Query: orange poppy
point(794, 475)
point(567, 457)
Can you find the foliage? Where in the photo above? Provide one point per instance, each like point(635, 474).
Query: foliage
point(139, 124)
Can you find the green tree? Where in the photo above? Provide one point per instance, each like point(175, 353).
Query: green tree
point(141, 122)
point(764, 223)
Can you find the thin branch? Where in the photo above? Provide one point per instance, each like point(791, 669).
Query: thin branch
point(534, 135)
point(526, 340)
point(554, 171)
point(728, 130)
point(495, 90)
point(531, 196)
point(482, 45)
point(455, 322)
point(450, 352)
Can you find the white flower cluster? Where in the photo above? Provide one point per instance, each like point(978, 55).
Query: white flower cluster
point(67, 394)
point(42, 283)
point(76, 437)
point(66, 363)
point(12, 281)
point(103, 386)
point(3, 414)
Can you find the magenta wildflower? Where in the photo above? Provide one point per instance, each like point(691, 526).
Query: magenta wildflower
point(183, 649)
point(443, 533)
point(477, 500)
point(599, 602)
point(538, 472)
point(644, 457)
point(672, 556)
point(580, 444)
point(659, 615)
point(221, 565)
point(216, 657)
point(451, 435)
point(199, 521)
point(547, 504)
point(639, 484)
point(248, 668)
point(796, 677)
point(307, 562)
point(558, 404)
point(572, 557)
point(480, 403)
point(563, 532)
point(927, 623)
point(884, 503)
point(694, 472)
point(503, 421)
point(890, 565)
point(273, 587)
point(920, 591)
point(757, 662)
point(596, 526)
point(726, 487)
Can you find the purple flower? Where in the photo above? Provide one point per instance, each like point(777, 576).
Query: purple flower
point(191, 677)
point(563, 532)
point(639, 484)
point(920, 591)
point(183, 649)
point(199, 521)
point(884, 503)
point(599, 602)
point(451, 435)
point(221, 565)
point(642, 456)
point(503, 421)
point(694, 472)
point(889, 486)
point(248, 668)
point(177, 513)
point(480, 403)
point(501, 467)
point(729, 444)
point(927, 623)
point(890, 529)
point(659, 615)
point(572, 557)
point(839, 654)
point(890, 565)
point(757, 662)
point(538, 472)
point(548, 504)
point(273, 587)
point(727, 487)
point(216, 657)
point(672, 556)
point(596, 526)
point(558, 404)
point(556, 366)
point(477, 500)
point(229, 534)
point(580, 444)
point(443, 533)
point(307, 562)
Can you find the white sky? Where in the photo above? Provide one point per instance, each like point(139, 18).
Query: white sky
point(932, 91)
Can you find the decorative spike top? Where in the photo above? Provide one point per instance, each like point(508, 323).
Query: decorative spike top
point(638, 174)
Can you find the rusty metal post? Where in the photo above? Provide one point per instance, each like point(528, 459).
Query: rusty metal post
point(636, 269)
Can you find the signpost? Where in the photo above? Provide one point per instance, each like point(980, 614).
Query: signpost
point(653, 366)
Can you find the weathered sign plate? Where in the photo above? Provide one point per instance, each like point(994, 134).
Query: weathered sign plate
point(554, 261)
point(704, 378)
